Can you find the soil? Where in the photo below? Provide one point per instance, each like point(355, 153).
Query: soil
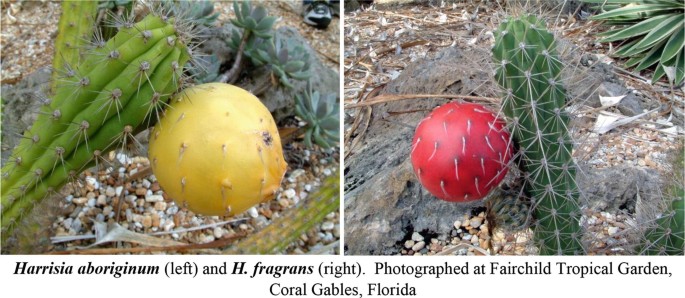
point(434, 49)
point(122, 196)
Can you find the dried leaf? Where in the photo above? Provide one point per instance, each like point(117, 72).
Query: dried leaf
point(608, 101)
point(607, 121)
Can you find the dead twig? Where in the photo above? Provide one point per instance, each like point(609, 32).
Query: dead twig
point(397, 97)
point(176, 248)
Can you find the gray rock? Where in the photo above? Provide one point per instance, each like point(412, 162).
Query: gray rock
point(616, 189)
point(20, 105)
point(384, 201)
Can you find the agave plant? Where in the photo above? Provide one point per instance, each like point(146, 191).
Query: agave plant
point(322, 117)
point(654, 31)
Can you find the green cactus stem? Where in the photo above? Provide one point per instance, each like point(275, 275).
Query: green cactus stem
point(75, 29)
point(293, 222)
point(529, 70)
point(107, 96)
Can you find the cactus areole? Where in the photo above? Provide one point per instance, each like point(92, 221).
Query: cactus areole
point(217, 150)
point(460, 152)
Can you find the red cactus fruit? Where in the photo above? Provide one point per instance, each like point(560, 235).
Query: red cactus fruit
point(460, 152)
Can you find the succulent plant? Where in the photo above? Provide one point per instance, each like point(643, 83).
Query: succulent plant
point(321, 112)
point(460, 152)
point(206, 69)
point(529, 70)
point(217, 150)
point(286, 60)
point(199, 12)
point(253, 19)
point(653, 31)
point(111, 13)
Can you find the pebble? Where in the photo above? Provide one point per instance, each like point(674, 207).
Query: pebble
point(160, 206)
point(154, 198)
point(476, 222)
point(155, 220)
point(612, 230)
point(141, 191)
point(289, 193)
point(467, 237)
point(457, 224)
point(110, 191)
point(146, 184)
point(409, 243)
point(107, 210)
point(253, 212)
point(327, 226)
point(218, 232)
point(80, 201)
point(416, 237)
point(147, 221)
point(76, 225)
point(102, 200)
point(418, 246)
point(474, 239)
point(129, 215)
point(92, 202)
point(168, 225)
point(327, 172)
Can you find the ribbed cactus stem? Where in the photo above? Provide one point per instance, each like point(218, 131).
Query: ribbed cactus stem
point(667, 236)
point(75, 28)
point(293, 222)
point(529, 70)
point(107, 95)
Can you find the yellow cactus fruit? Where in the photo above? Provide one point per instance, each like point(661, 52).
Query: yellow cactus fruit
point(217, 150)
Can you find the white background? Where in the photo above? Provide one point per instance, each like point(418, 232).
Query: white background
point(160, 285)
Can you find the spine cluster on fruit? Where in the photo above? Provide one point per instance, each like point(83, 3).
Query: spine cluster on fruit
point(528, 68)
point(100, 98)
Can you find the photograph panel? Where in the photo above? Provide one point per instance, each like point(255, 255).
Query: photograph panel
point(167, 127)
point(511, 128)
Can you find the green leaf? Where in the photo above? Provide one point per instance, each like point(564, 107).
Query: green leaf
point(633, 12)
point(308, 138)
point(266, 24)
point(300, 75)
point(238, 16)
point(624, 48)
point(258, 13)
point(634, 61)
point(674, 44)
point(651, 57)
point(638, 29)
point(330, 123)
point(293, 66)
point(250, 24)
point(658, 72)
point(660, 33)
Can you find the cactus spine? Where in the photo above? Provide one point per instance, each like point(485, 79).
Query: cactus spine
point(276, 237)
point(529, 70)
point(75, 29)
point(666, 236)
point(104, 97)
